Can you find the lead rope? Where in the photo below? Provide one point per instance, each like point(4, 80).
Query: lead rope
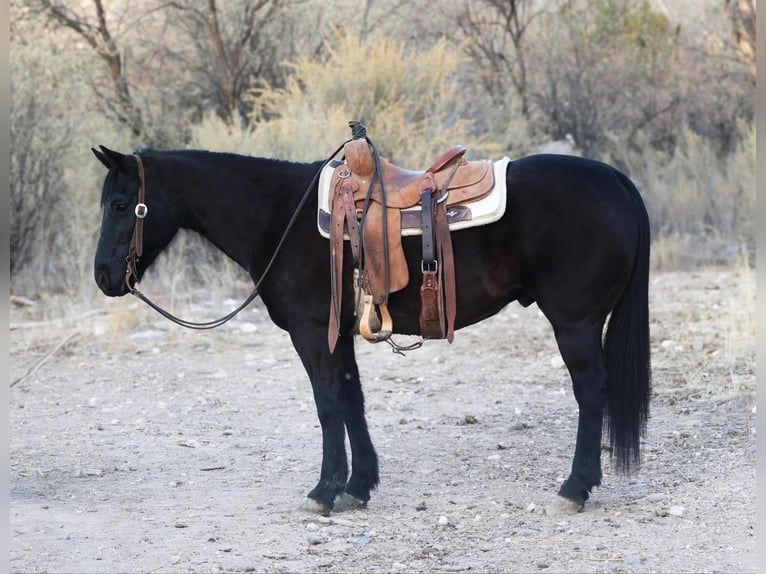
point(136, 248)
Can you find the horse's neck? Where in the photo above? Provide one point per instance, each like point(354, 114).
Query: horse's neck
point(239, 214)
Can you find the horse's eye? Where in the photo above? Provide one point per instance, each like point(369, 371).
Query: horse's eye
point(120, 207)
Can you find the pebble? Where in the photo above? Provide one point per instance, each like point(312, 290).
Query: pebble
point(557, 362)
point(677, 510)
point(315, 539)
point(359, 540)
point(632, 560)
point(175, 559)
point(443, 520)
point(529, 532)
point(99, 426)
point(656, 497)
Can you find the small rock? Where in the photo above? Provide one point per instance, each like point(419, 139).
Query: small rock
point(656, 497)
point(542, 565)
point(677, 510)
point(228, 432)
point(399, 566)
point(493, 457)
point(557, 362)
point(470, 420)
point(420, 506)
point(315, 539)
point(531, 507)
point(20, 301)
point(99, 426)
point(528, 532)
point(359, 540)
point(632, 560)
point(443, 520)
point(175, 559)
point(312, 526)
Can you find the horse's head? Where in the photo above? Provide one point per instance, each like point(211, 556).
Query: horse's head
point(118, 201)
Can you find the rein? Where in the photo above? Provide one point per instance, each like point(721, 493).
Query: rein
point(136, 250)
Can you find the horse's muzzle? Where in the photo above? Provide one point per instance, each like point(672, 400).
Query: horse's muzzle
point(108, 285)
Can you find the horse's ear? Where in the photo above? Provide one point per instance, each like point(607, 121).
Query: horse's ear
point(101, 157)
point(114, 159)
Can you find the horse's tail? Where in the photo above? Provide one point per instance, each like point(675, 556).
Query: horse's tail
point(626, 348)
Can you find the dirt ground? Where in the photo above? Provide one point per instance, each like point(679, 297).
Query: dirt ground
point(138, 446)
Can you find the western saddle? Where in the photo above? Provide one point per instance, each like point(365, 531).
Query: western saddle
point(370, 196)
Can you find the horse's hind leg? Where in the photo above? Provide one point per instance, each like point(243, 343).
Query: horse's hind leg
point(581, 349)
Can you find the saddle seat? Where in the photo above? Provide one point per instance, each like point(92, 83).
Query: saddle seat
point(370, 216)
point(471, 181)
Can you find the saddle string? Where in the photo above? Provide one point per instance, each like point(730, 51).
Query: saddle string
point(136, 249)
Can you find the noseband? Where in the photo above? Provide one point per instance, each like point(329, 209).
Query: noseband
point(137, 248)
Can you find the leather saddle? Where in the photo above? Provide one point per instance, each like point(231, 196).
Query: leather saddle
point(371, 200)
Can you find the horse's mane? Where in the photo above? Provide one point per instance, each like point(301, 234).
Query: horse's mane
point(232, 162)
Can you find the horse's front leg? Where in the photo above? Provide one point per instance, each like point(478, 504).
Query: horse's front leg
point(339, 402)
point(364, 461)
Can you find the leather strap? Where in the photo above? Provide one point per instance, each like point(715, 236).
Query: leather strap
point(343, 212)
point(138, 234)
point(446, 267)
point(426, 219)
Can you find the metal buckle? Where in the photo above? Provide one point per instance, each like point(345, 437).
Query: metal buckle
point(344, 173)
point(432, 266)
point(141, 210)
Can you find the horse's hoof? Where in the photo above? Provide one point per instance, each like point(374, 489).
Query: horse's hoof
point(562, 506)
point(314, 507)
point(347, 502)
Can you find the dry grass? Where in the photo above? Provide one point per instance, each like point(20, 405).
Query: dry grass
point(408, 100)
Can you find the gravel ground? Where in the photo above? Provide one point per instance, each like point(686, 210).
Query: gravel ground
point(140, 447)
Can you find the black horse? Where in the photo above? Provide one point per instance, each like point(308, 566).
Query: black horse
point(574, 239)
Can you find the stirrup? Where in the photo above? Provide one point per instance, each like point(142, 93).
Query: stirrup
point(373, 328)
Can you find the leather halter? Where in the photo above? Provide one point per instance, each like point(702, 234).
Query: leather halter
point(137, 241)
point(137, 247)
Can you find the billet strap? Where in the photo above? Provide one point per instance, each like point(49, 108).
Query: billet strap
point(426, 220)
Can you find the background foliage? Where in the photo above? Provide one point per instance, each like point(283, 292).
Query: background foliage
point(668, 97)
